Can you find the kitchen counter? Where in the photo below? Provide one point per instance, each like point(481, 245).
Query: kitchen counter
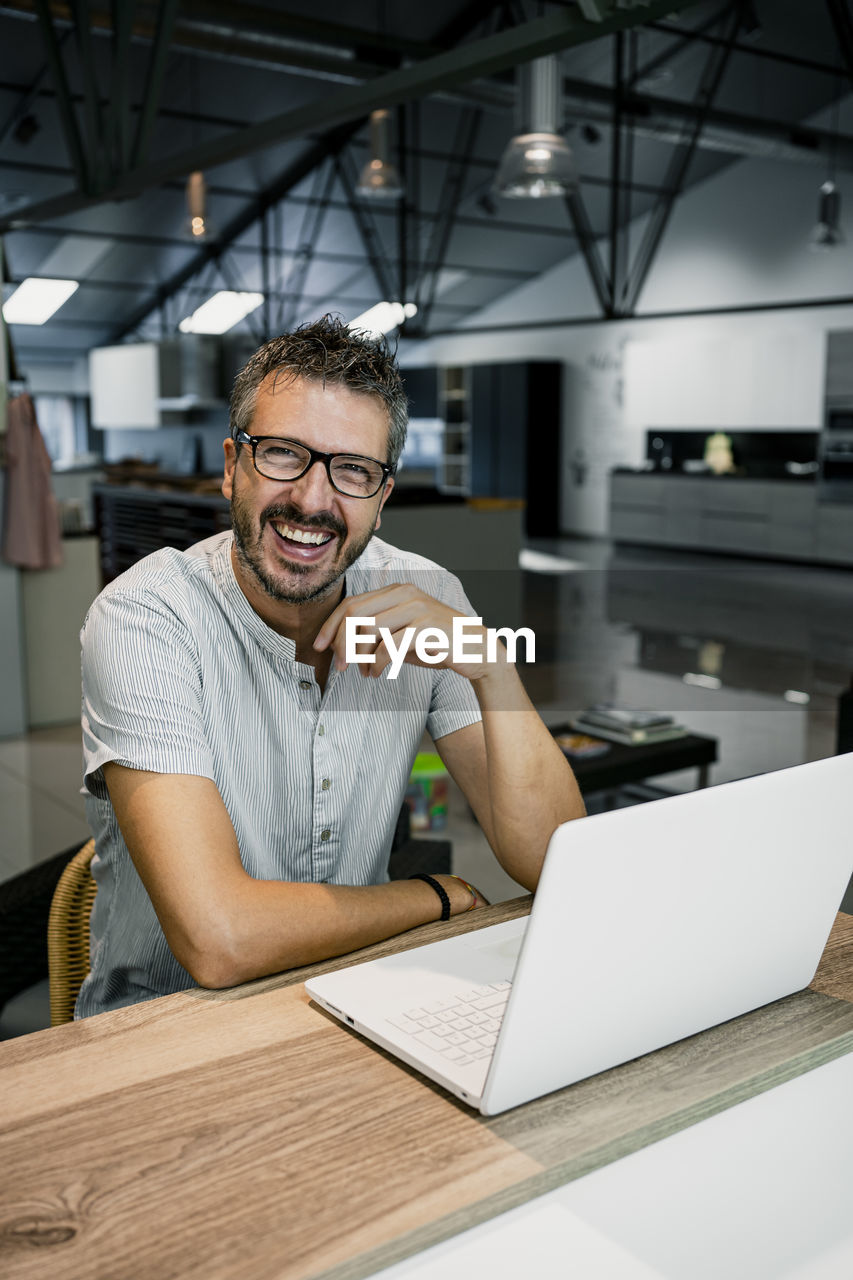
point(779, 518)
point(775, 475)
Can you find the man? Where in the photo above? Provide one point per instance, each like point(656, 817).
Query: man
point(243, 782)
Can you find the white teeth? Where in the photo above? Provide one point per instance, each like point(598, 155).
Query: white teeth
point(299, 535)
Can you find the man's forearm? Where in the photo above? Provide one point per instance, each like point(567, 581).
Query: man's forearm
point(222, 925)
point(269, 926)
point(531, 786)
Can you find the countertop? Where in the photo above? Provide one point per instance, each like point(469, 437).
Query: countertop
point(775, 475)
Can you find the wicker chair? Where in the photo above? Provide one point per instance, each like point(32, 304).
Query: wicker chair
point(68, 934)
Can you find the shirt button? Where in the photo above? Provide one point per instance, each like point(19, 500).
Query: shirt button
point(327, 782)
point(321, 729)
point(304, 684)
point(325, 835)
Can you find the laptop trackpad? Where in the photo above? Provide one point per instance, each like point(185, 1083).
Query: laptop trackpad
point(500, 943)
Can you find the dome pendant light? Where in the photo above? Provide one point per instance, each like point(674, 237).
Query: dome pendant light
point(379, 178)
point(537, 161)
point(827, 233)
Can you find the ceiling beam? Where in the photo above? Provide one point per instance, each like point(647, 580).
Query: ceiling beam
point(321, 255)
point(154, 81)
point(28, 95)
point(680, 42)
point(67, 115)
point(728, 132)
point(293, 289)
point(241, 16)
point(267, 28)
point(588, 245)
point(118, 117)
point(486, 56)
point(843, 26)
point(749, 50)
point(448, 208)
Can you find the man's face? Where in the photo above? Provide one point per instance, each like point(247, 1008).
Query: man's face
point(266, 514)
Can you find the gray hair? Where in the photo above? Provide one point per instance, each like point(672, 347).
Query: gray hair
point(327, 351)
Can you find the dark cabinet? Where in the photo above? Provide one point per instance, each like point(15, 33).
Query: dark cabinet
point(422, 389)
point(515, 438)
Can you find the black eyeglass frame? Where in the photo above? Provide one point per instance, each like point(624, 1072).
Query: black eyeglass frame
point(314, 455)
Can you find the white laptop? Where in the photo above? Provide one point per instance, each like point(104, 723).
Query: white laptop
point(649, 924)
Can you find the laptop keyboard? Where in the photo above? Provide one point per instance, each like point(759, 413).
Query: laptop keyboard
point(463, 1028)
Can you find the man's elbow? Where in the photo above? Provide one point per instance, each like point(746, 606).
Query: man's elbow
point(209, 958)
point(213, 971)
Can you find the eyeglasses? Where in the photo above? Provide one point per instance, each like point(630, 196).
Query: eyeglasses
point(349, 473)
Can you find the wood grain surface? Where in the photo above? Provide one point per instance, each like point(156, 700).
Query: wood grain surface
point(246, 1134)
point(834, 975)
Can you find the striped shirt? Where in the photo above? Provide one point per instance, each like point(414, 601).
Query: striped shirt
point(180, 675)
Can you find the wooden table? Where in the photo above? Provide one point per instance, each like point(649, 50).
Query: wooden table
point(246, 1134)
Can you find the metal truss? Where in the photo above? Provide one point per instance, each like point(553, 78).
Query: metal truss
point(446, 213)
point(312, 225)
point(362, 215)
point(28, 97)
point(843, 24)
point(107, 149)
point(618, 288)
point(331, 145)
point(255, 209)
point(680, 43)
point(488, 55)
point(679, 164)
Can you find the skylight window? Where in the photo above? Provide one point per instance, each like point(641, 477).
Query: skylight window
point(221, 312)
point(35, 301)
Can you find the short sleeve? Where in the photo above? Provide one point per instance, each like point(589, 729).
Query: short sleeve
point(454, 704)
point(142, 690)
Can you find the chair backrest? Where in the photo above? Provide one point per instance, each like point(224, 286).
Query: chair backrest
point(68, 934)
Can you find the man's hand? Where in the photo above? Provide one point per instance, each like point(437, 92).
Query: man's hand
point(463, 896)
point(412, 619)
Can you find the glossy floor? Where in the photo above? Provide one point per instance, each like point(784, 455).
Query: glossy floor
point(755, 654)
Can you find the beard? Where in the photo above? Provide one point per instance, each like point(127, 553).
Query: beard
point(284, 585)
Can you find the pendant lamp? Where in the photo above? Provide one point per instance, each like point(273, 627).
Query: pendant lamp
point(198, 225)
point(827, 232)
point(537, 161)
point(379, 179)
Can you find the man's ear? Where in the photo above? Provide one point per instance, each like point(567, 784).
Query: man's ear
point(230, 449)
point(389, 485)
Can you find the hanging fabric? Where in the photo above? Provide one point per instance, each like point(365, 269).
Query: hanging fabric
point(32, 537)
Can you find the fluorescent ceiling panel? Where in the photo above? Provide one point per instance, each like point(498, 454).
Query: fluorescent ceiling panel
point(382, 318)
point(35, 301)
point(221, 312)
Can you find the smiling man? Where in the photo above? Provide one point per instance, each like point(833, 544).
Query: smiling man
point(243, 782)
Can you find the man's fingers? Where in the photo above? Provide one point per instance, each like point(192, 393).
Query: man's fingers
point(368, 640)
point(368, 604)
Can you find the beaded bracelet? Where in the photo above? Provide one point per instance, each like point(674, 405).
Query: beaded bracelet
point(445, 901)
